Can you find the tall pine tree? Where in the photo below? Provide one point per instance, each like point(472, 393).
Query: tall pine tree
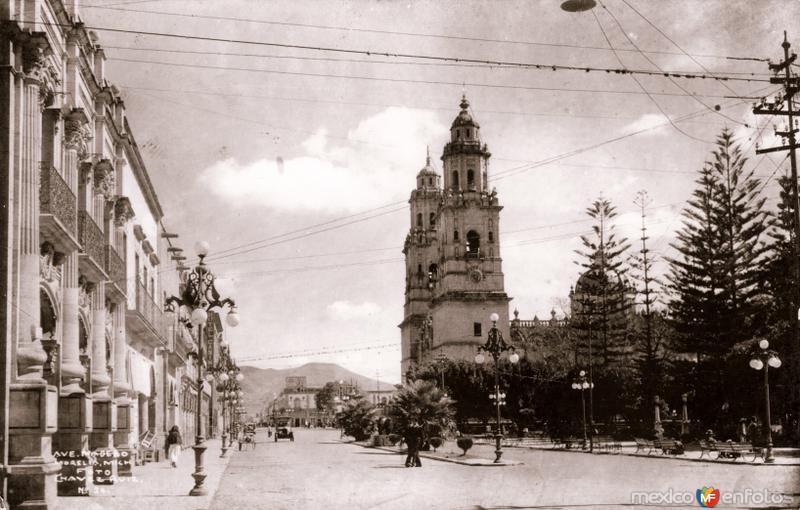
point(716, 279)
point(602, 299)
point(649, 331)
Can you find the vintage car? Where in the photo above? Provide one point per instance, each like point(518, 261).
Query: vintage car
point(284, 433)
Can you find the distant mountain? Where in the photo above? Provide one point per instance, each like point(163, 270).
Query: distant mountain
point(259, 384)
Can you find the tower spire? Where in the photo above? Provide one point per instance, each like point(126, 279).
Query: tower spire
point(428, 156)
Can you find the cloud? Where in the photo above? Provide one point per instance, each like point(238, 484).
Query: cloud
point(649, 121)
point(373, 164)
point(345, 310)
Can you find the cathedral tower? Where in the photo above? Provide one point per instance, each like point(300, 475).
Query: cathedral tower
point(454, 279)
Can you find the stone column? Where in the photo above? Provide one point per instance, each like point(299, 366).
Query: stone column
point(100, 378)
point(31, 467)
point(30, 355)
point(121, 390)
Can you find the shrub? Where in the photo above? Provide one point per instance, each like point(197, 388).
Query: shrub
point(394, 439)
point(356, 419)
point(464, 443)
point(436, 442)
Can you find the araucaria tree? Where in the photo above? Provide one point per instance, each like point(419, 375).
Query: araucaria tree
point(601, 301)
point(716, 278)
point(650, 333)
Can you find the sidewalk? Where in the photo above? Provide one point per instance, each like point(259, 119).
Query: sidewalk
point(157, 485)
point(783, 456)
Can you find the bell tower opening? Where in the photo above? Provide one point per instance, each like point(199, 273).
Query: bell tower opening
point(473, 244)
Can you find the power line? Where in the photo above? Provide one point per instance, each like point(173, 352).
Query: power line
point(636, 80)
point(654, 64)
point(395, 62)
point(304, 354)
point(387, 105)
point(625, 33)
point(553, 67)
point(411, 34)
point(414, 81)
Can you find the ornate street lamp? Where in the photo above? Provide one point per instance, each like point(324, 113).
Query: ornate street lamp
point(496, 346)
point(766, 358)
point(200, 296)
point(441, 360)
point(582, 383)
point(228, 375)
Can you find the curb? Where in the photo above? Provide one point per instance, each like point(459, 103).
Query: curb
point(666, 457)
point(487, 463)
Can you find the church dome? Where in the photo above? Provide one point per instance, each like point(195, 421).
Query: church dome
point(427, 177)
point(464, 118)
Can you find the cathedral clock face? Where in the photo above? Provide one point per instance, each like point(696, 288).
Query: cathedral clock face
point(476, 275)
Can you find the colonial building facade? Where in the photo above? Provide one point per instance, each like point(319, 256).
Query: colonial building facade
point(454, 278)
point(91, 371)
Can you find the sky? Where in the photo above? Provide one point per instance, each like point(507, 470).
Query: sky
point(288, 135)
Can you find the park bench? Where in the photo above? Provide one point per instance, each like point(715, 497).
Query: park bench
point(707, 448)
point(736, 450)
point(567, 442)
point(607, 444)
point(668, 446)
point(641, 444)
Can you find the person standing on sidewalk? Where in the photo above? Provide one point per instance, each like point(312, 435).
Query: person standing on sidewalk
point(174, 443)
point(413, 439)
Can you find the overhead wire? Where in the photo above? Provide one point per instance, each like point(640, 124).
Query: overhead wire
point(415, 81)
point(486, 65)
point(401, 33)
point(654, 64)
point(527, 65)
point(642, 87)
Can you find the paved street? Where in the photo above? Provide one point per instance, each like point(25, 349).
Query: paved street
point(317, 471)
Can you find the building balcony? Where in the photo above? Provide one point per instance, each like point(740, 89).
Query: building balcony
point(92, 256)
point(146, 320)
point(116, 270)
point(57, 210)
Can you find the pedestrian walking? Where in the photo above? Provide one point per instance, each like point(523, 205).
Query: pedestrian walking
point(174, 443)
point(413, 439)
point(752, 432)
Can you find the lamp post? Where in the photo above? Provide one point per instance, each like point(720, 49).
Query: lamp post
point(228, 377)
point(766, 358)
point(199, 295)
point(441, 360)
point(582, 383)
point(496, 346)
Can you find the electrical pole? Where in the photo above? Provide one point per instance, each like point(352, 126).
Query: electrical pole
point(790, 86)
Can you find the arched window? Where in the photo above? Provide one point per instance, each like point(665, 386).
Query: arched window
point(419, 220)
point(419, 268)
point(491, 236)
point(430, 219)
point(455, 179)
point(430, 181)
point(471, 179)
point(458, 134)
point(455, 235)
point(473, 243)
